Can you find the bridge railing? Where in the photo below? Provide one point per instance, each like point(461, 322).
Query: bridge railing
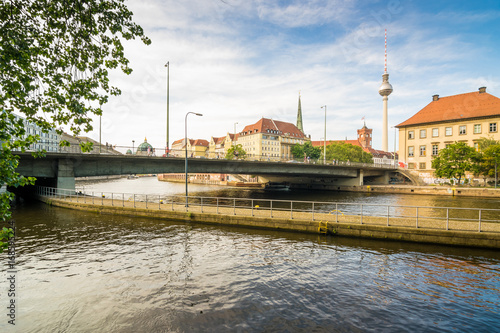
point(439, 218)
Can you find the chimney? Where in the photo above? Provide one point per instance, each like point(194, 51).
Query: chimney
point(482, 90)
point(435, 97)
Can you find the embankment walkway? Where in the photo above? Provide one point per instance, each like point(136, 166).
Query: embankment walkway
point(440, 225)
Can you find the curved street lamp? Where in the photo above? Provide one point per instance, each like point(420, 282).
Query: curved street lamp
point(186, 149)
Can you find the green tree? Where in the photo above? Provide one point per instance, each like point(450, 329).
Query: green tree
point(56, 57)
point(5, 235)
point(484, 162)
point(305, 150)
point(454, 161)
point(237, 152)
point(347, 152)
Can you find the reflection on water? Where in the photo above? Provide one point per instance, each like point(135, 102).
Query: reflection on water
point(81, 271)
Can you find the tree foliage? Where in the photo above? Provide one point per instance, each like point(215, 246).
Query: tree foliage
point(54, 69)
point(453, 161)
point(347, 152)
point(306, 150)
point(236, 152)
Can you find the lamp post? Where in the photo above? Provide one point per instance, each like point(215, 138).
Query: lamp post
point(324, 143)
point(168, 79)
point(186, 149)
point(133, 141)
point(236, 123)
point(496, 175)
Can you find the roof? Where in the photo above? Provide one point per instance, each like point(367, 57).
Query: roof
point(199, 142)
point(265, 125)
point(457, 107)
point(219, 140)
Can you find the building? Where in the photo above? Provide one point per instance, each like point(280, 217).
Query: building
point(270, 139)
point(49, 140)
point(219, 146)
point(460, 118)
point(195, 148)
point(365, 141)
point(75, 148)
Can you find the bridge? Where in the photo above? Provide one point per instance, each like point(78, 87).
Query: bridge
point(59, 170)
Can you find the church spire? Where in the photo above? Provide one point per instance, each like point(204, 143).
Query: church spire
point(299, 117)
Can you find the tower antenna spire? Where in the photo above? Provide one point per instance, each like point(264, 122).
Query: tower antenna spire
point(385, 54)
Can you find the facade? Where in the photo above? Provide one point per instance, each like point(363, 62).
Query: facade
point(195, 148)
point(49, 141)
point(270, 139)
point(218, 147)
point(460, 118)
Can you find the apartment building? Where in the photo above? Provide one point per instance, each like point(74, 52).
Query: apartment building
point(460, 118)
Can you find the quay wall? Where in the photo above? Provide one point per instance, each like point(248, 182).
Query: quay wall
point(426, 190)
point(420, 235)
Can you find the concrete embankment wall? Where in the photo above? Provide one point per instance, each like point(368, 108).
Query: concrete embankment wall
point(447, 237)
point(426, 190)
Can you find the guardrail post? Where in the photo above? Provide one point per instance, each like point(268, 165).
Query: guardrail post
point(312, 211)
point(217, 206)
point(159, 202)
point(447, 217)
point(93, 197)
point(234, 206)
point(291, 210)
point(134, 200)
point(112, 203)
point(271, 209)
point(336, 212)
point(252, 207)
point(388, 214)
point(202, 204)
point(480, 220)
point(102, 199)
point(172, 199)
point(123, 199)
point(146, 201)
point(361, 213)
point(416, 218)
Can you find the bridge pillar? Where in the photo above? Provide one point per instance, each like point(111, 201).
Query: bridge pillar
point(360, 178)
point(65, 175)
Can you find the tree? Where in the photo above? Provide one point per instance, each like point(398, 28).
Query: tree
point(237, 152)
point(484, 162)
point(347, 152)
point(54, 70)
point(453, 161)
point(306, 150)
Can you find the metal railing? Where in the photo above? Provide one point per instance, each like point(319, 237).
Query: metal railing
point(439, 218)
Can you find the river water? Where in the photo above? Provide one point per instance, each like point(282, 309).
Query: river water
point(84, 272)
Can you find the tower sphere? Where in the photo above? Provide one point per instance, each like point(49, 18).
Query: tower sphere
point(385, 88)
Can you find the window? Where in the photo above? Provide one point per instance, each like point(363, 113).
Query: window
point(477, 128)
point(435, 132)
point(411, 165)
point(411, 135)
point(476, 146)
point(493, 127)
point(462, 130)
point(448, 131)
point(422, 150)
point(410, 151)
point(421, 165)
point(435, 150)
point(423, 134)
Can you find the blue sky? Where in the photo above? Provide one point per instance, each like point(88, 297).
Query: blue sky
point(239, 60)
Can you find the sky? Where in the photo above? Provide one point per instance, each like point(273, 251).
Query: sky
point(235, 61)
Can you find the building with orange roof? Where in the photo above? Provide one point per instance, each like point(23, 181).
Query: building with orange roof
point(364, 141)
point(270, 139)
point(459, 118)
point(219, 146)
point(195, 148)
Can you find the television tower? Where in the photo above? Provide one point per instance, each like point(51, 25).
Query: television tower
point(385, 90)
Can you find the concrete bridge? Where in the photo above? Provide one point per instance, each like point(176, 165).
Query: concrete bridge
point(59, 170)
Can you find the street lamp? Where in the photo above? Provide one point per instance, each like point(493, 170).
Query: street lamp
point(324, 144)
point(168, 79)
point(186, 149)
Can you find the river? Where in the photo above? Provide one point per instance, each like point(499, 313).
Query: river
point(83, 272)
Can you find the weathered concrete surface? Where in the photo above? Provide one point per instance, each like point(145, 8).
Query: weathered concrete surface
point(284, 220)
point(426, 190)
